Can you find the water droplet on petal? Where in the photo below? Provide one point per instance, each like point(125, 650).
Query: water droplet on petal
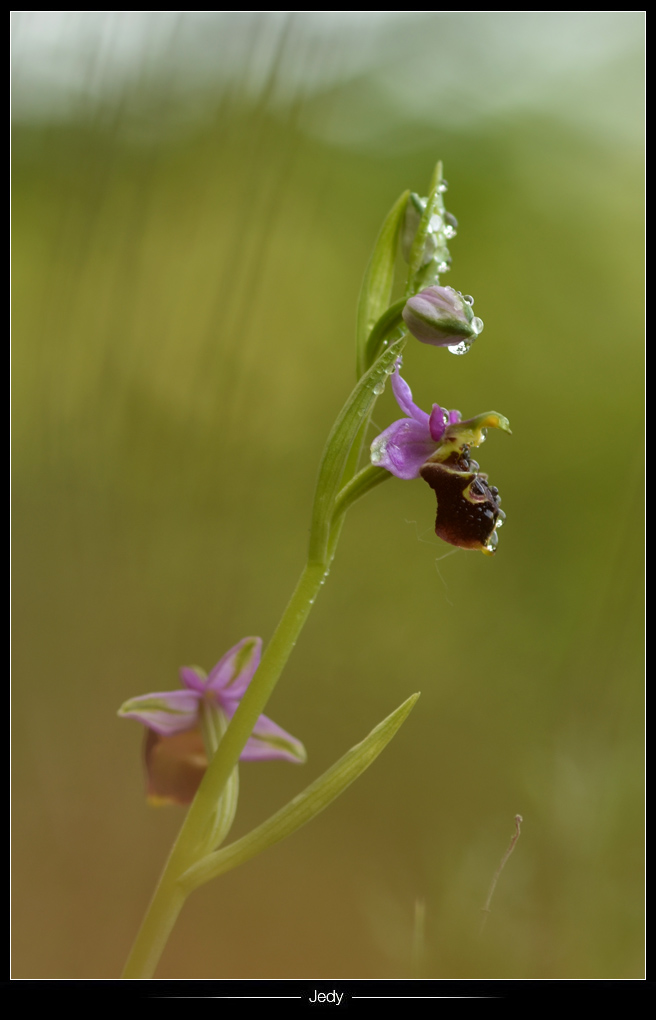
point(460, 348)
point(468, 298)
point(378, 452)
point(477, 325)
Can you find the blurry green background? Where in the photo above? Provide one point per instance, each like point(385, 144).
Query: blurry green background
point(195, 199)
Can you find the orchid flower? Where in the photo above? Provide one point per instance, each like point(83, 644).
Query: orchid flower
point(184, 727)
point(436, 447)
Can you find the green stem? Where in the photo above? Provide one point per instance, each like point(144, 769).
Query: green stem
point(166, 904)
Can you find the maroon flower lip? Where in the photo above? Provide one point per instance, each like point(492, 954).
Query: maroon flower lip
point(468, 509)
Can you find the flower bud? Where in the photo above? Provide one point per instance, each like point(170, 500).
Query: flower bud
point(442, 317)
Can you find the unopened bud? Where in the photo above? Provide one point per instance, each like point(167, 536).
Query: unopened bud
point(442, 317)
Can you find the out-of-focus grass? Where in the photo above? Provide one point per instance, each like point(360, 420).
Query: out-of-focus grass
point(183, 315)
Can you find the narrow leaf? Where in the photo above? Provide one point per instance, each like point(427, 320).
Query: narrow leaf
point(377, 284)
point(341, 439)
point(302, 808)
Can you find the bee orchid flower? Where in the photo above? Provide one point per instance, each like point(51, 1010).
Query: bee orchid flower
point(185, 726)
point(436, 447)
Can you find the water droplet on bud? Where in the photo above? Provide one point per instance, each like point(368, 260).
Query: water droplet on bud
point(460, 348)
point(477, 325)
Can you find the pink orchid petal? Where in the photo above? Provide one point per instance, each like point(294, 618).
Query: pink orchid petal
point(193, 678)
point(437, 422)
point(403, 448)
point(403, 395)
point(166, 713)
point(269, 741)
point(233, 673)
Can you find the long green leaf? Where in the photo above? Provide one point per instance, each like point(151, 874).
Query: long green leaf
point(343, 434)
point(302, 808)
point(377, 284)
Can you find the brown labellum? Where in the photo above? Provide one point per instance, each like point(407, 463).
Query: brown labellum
point(175, 766)
point(467, 507)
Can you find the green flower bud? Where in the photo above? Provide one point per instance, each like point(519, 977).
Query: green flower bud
point(441, 316)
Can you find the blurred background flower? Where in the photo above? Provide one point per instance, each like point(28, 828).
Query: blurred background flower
point(188, 188)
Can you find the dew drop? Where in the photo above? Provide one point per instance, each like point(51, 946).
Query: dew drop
point(443, 186)
point(477, 325)
point(379, 387)
point(378, 452)
point(468, 298)
point(450, 232)
point(443, 267)
point(460, 348)
point(492, 542)
point(436, 223)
